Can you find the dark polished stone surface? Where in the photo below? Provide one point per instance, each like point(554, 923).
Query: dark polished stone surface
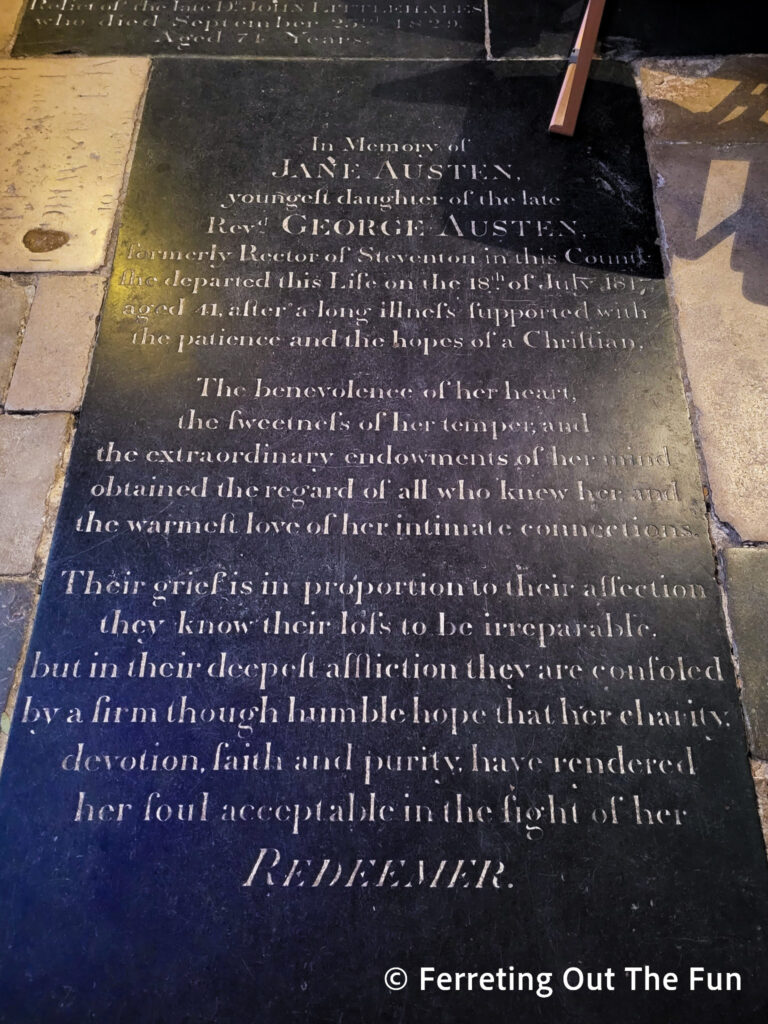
point(628, 29)
point(384, 529)
point(380, 28)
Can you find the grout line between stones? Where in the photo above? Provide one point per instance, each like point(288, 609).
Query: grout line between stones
point(487, 28)
point(243, 58)
point(704, 144)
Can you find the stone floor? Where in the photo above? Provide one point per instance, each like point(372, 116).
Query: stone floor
point(68, 126)
point(707, 137)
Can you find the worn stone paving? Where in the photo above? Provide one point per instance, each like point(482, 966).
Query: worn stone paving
point(67, 127)
point(52, 365)
point(707, 134)
point(68, 124)
point(32, 449)
point(15, 302)
point(10, 13)
point(708, 129)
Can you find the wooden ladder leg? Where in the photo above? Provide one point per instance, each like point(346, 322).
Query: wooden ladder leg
point(569, 101)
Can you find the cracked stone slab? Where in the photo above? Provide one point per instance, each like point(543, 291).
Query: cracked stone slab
point(16, 602)
point(66, 127)
point(52, 365)
point(14, 306)
point(747, 585)
point(713, 210)
point(714, 100)
point(31, 450)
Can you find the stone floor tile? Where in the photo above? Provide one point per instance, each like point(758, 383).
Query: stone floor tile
point(31, 449)
point(52, 365)
point(10, 14)
point(712, 203)
point(66, 126)
point(760, 776)
point(16, 602)
point(714, 100)
point(747, 586)
point(14, 307)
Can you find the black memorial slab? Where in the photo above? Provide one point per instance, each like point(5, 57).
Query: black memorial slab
point(379, 28)
point(241, 28)
point(380, 632)
point(628, 29)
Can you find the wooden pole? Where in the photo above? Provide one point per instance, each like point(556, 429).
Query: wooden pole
point(569, 101)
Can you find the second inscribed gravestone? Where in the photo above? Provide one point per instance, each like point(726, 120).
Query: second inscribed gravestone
point(380, 630)
point(372, 28)
point(243, 28)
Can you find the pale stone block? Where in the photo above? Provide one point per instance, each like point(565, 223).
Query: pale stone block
point(10, 13)
point(52, 365)
point(66, 125)
point(722, 99)
point(14, 308)
point(712, 202)
point(31, 451)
